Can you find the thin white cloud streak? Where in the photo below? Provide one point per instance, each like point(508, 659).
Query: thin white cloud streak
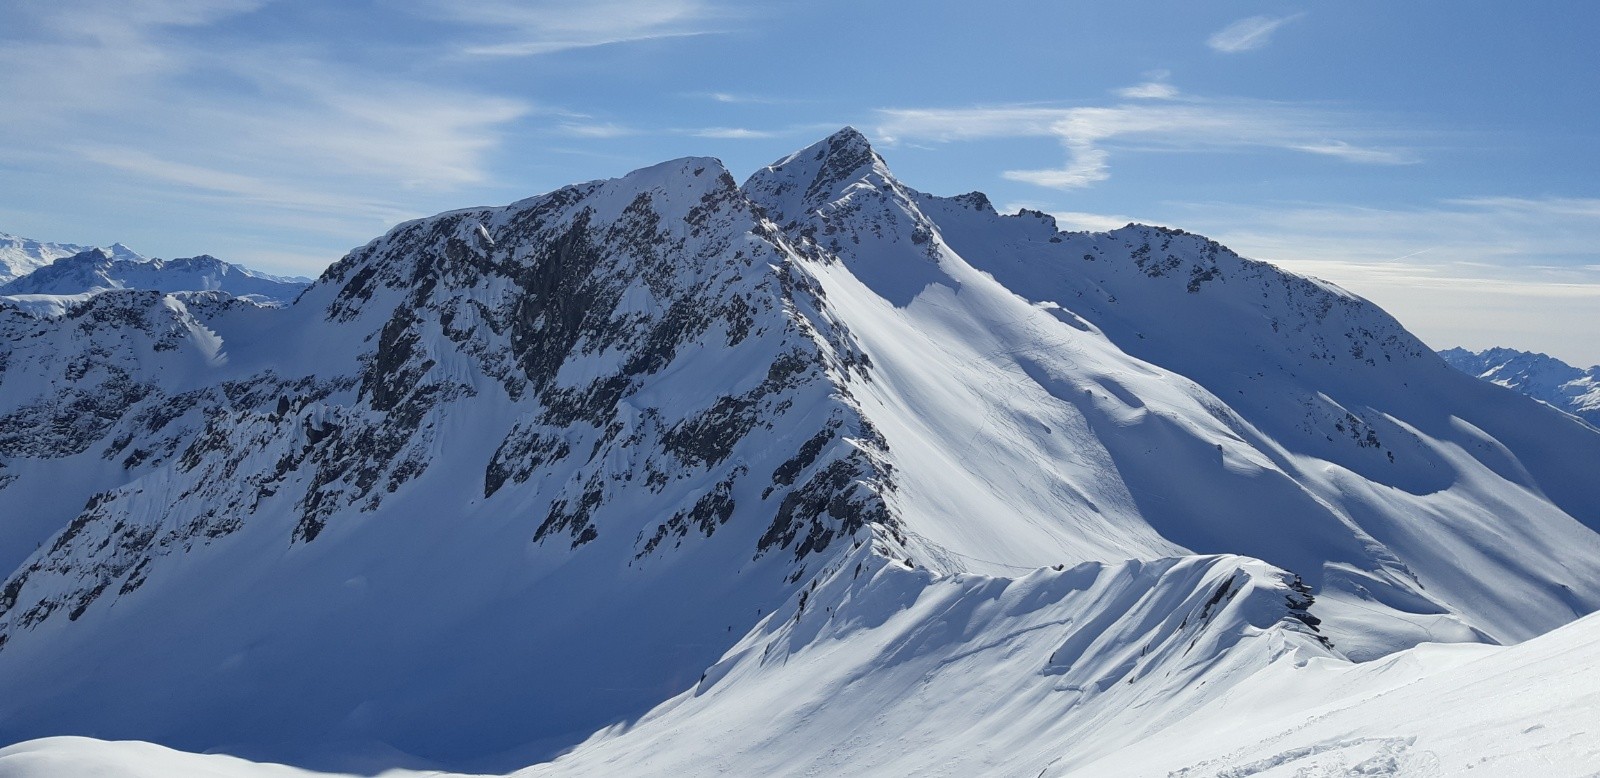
point(1346, 151)
point(742, 99)
point(1086, 132)
point(608, 130)
point(1248, 34)
point(534, 48)
point(734, 133)
point(596, 130)
point(1149, 90)
point(525, 28)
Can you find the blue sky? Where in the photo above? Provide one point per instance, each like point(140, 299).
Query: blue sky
point(1439, 158)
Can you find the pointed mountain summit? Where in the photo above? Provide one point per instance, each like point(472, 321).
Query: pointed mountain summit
point(817, 175)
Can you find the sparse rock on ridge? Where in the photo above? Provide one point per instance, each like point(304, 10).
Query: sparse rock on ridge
point(1540, 376)
point(607, 469)
point(94, 270)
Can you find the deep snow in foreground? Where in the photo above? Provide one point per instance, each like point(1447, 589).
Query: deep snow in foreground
point(666, 474)
point(1433, 710)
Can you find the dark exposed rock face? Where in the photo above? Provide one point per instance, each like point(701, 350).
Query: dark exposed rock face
point(573, 316)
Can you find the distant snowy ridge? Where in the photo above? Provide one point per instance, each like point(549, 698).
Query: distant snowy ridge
point(21, 256)
point(94, 270)
point(1540, 376)
point(667, 474)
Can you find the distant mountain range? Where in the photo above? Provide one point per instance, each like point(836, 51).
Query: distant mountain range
point(97, 270)
point(21, 256)
point(1540, 376)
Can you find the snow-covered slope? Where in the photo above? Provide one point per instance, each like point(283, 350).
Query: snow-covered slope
point(93, 270)
point(1539, 376)
point(672, 473)
point(1142, 391)
point(1432, 710)
point(21, 256)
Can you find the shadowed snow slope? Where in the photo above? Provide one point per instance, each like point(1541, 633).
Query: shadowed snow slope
point(663, 474)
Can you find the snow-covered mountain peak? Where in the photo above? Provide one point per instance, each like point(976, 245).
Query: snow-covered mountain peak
point(817, 175)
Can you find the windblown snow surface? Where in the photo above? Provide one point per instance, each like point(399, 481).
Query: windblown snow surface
point(814, 475)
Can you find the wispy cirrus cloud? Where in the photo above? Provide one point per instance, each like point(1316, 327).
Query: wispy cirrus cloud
point(1343, 150)
point(395, 130)
point(1149, 90)
point(1089, 133)
point(747, 98)
point(1248, 34)
point(596, 130)
point(65, 62)
point(734, 133)
point(148, 95)
point(523, 28)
